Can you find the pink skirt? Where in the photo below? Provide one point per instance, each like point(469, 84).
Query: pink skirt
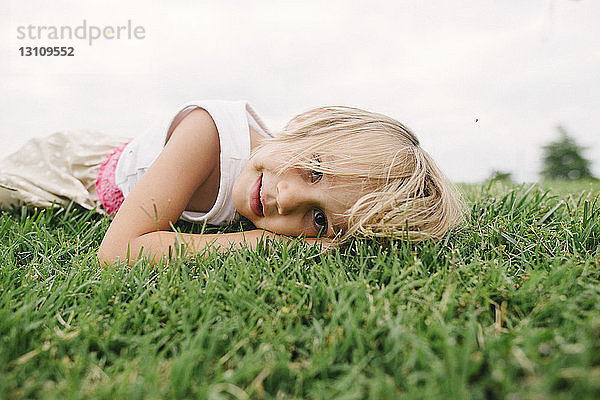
point(107, 190)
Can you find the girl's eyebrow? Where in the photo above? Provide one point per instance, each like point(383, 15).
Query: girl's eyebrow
point(336, 220)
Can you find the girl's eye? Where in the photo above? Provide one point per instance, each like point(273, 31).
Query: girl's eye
point(320, 220)
point(315, 176)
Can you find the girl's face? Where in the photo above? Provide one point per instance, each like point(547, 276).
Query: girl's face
point(295, 202)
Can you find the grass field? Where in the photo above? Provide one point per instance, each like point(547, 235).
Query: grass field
point(506, 307)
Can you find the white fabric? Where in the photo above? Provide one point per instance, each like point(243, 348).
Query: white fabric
point(56, 169)
point(232, 119)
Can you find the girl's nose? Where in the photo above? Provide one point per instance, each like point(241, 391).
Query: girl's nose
point(289, 197)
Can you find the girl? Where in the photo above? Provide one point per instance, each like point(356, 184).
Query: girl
point(331, 173)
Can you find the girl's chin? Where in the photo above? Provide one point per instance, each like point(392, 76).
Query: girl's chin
point(249, 215)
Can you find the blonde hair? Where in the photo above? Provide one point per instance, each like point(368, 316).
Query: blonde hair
point(403, 194)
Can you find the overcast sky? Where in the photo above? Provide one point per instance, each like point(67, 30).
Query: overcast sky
point(482, 83)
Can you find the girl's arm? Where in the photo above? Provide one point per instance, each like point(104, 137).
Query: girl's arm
point(165, 244)
point(157, 200)
point(162, 193)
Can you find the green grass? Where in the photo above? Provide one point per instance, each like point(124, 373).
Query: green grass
point(506, 307)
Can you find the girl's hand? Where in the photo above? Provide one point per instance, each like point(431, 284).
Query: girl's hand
point(327, 244)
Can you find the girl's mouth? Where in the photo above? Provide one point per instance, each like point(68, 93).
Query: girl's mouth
point(255, 202)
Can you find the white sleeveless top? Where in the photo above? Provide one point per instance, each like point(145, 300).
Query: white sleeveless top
point(232, 119)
